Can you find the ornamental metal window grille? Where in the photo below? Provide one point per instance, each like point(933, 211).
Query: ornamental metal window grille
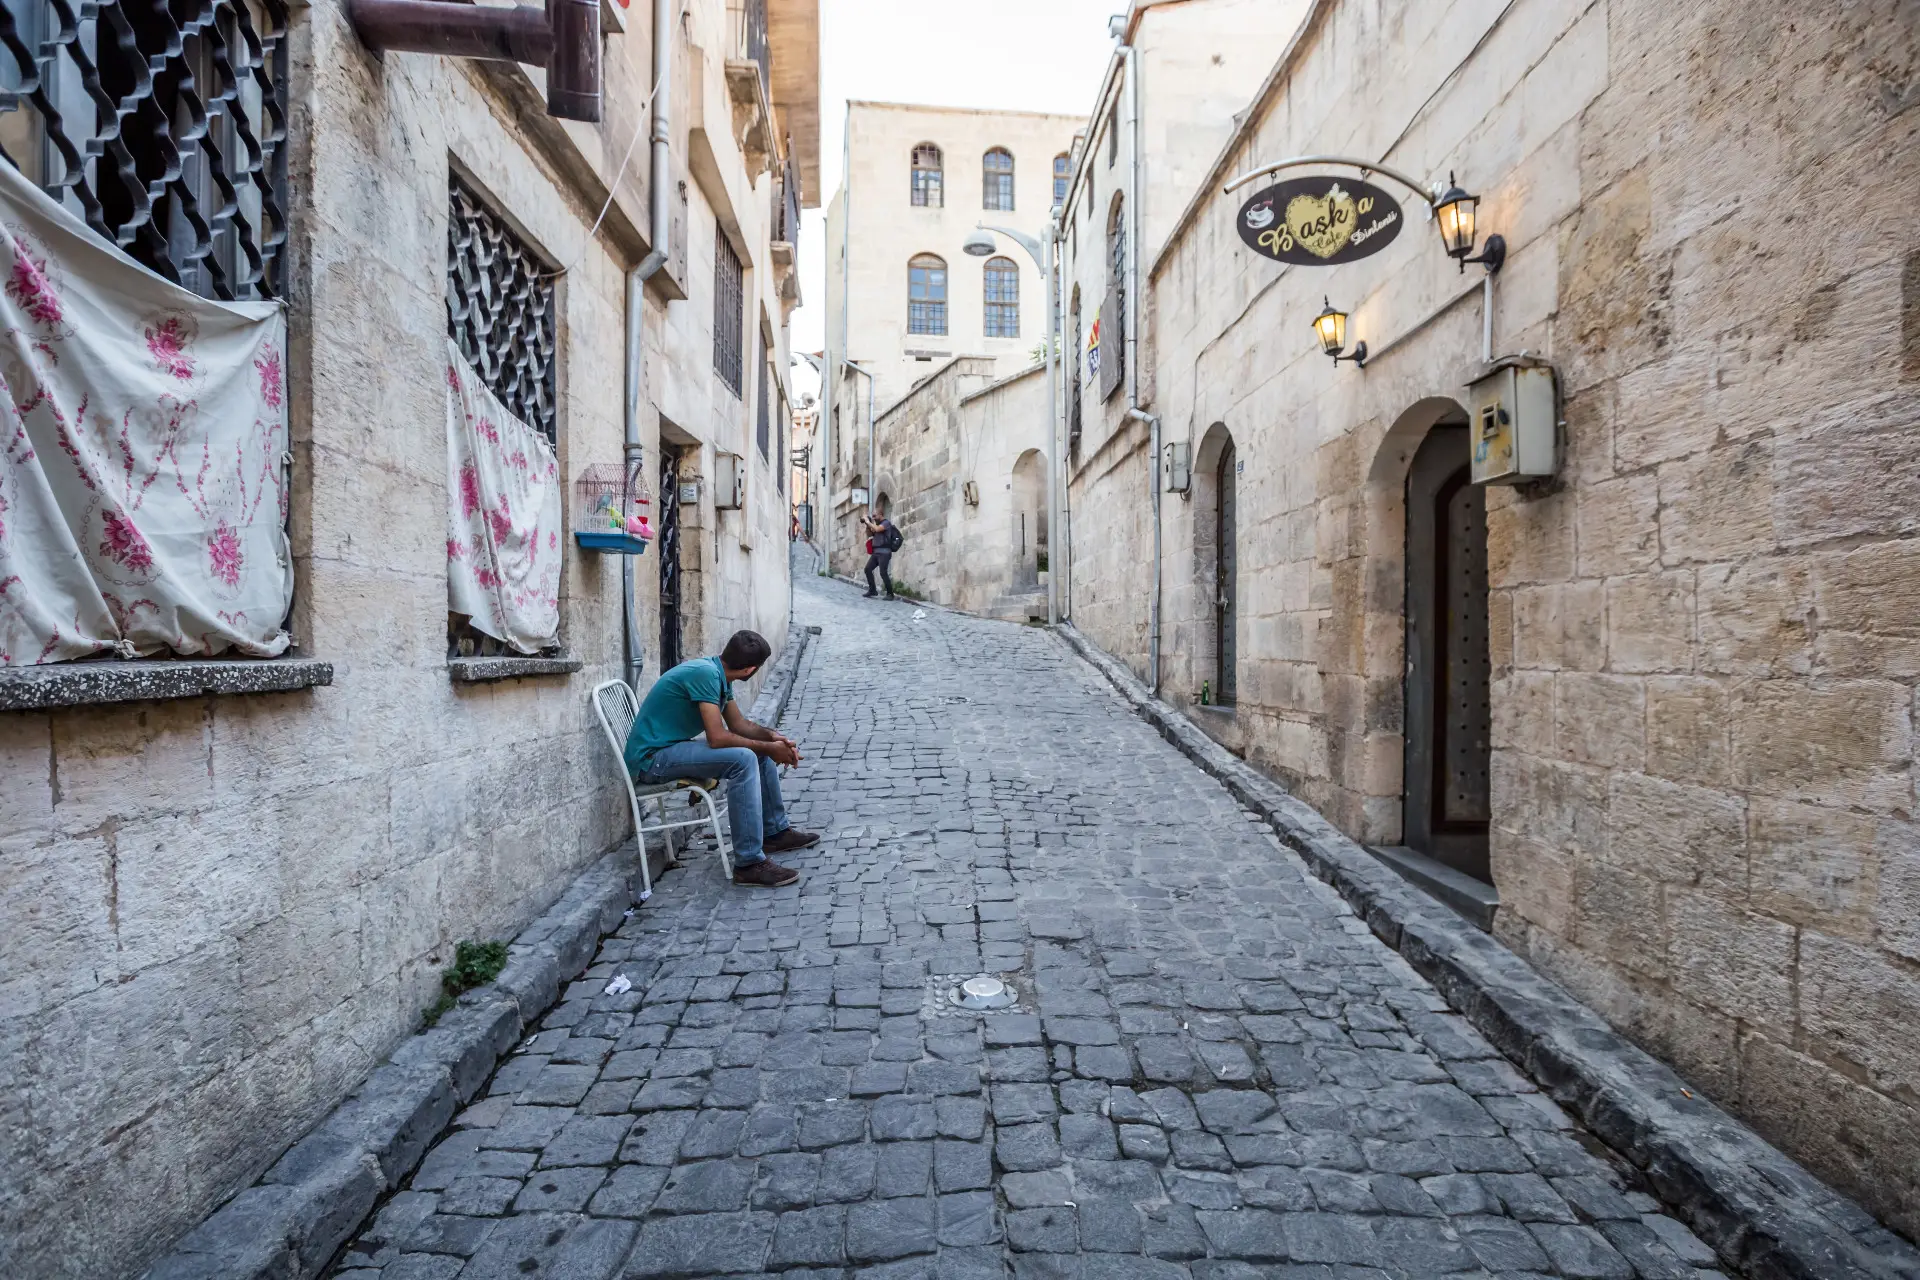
point(162, 126)
point(729, 300)
point(1062, 166)
point(1113, 132)
point(1003, 298)
point(762, 423)
point(1117, 267)
point(782, 459)
point(927, 192)
point(996, 179)
point(500, 309)
point(927, 295)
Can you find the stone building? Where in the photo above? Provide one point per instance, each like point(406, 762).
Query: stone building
point(1661, 703)
point(228, 887)
point(902, 298)
point(965, 453)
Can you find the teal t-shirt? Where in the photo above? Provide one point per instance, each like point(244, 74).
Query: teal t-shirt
point(671, 711)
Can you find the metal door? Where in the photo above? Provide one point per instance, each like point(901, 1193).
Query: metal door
point(1226, 608)
point(1449, 725)
point(669, 557)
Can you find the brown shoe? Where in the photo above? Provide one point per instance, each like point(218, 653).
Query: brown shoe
point(765, 874)
point(790, 839)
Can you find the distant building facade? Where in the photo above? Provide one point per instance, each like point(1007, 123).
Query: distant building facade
point(919, 180)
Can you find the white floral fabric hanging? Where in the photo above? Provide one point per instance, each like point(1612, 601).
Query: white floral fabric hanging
point(503, 516)
point(143, 453)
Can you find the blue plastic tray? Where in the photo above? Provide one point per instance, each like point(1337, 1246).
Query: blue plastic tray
point(611, 543)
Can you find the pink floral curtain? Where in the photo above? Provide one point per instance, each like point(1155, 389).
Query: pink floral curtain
point(143, 463)
point(503, 516)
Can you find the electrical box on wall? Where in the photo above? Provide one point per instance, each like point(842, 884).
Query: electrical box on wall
point(1514, 423)
point(729, 482)
point(1176, 466)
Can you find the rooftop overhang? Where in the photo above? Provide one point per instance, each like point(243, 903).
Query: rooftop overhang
point(793, 36)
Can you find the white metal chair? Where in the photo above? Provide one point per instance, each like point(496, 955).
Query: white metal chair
point(614, 704)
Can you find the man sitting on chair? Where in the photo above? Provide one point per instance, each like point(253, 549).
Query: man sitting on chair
point(664, 745)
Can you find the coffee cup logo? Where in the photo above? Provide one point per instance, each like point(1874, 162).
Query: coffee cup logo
point(1322, 222)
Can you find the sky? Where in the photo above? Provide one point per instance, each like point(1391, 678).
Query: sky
point(1022, 55)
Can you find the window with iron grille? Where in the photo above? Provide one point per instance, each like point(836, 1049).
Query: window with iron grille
point(927, 192)
point(1003, 298)
point(1062, 171)
point(763, 425)
point(927, 295)
point(1117, 264)
point(500, 309)
point(996, 179)
point(161, 125)
point(1113, 132)
point(728, 302)
point(782, 461)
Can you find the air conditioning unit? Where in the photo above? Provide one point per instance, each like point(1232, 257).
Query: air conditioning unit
point(729, 482)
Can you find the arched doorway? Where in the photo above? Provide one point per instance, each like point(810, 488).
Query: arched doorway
point(1216, 470)
point(1028, 535)
point(1449, 727)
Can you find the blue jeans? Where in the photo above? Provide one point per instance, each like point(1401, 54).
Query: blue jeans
point(753, 790)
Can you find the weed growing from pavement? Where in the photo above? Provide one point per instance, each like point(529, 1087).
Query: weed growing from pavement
point(475, 964)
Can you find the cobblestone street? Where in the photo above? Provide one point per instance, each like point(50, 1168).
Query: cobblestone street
point(1214, 1071)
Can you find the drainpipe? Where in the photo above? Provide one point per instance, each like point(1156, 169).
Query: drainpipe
point(659, 233)
point(1051, 247)
point(1134, 411)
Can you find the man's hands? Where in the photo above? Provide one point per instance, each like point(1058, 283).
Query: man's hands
point(733, 729)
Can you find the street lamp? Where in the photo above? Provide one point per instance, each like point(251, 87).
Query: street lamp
point(981, 244)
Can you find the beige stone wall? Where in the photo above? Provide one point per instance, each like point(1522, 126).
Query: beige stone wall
point(963, 425)
point(1702, 630)
point(217, 914)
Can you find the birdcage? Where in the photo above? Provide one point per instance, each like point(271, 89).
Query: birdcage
point(613, 508)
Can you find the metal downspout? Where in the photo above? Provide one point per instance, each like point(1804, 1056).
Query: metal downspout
point(1134, 303)
point(1051, 246)
point(660, 232)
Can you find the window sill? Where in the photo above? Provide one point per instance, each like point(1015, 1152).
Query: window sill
point(74, 684)
point(487, 670)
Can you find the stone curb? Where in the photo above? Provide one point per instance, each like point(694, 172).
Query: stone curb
point(1764, 1214)
point(774, 694)
point(289, 1225)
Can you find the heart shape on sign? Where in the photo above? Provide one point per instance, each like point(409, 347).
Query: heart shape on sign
point(1322, 224)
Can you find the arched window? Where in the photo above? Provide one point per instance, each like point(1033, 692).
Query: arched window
point(1061, 172)
point(1075, 355)
point(1003, 298)
point(996, 179)
point(1113, 313)
point(927, 295)
point(927, 191)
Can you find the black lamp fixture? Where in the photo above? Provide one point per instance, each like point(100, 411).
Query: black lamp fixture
point(1330, 326)
point(1456, 212)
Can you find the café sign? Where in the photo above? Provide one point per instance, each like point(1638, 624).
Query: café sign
point(1320, 221)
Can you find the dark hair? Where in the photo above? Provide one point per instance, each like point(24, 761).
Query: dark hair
point(747, 650)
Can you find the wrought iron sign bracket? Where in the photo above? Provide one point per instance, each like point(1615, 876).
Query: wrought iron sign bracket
point(563, 38)
point(1428, 192)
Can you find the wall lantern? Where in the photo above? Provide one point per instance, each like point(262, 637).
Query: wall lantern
point(1457, 212)
point(1330, 326)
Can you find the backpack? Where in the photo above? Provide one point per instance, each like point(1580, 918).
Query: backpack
point(895, 538)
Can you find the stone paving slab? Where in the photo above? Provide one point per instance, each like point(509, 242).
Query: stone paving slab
point(1217, 1072)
